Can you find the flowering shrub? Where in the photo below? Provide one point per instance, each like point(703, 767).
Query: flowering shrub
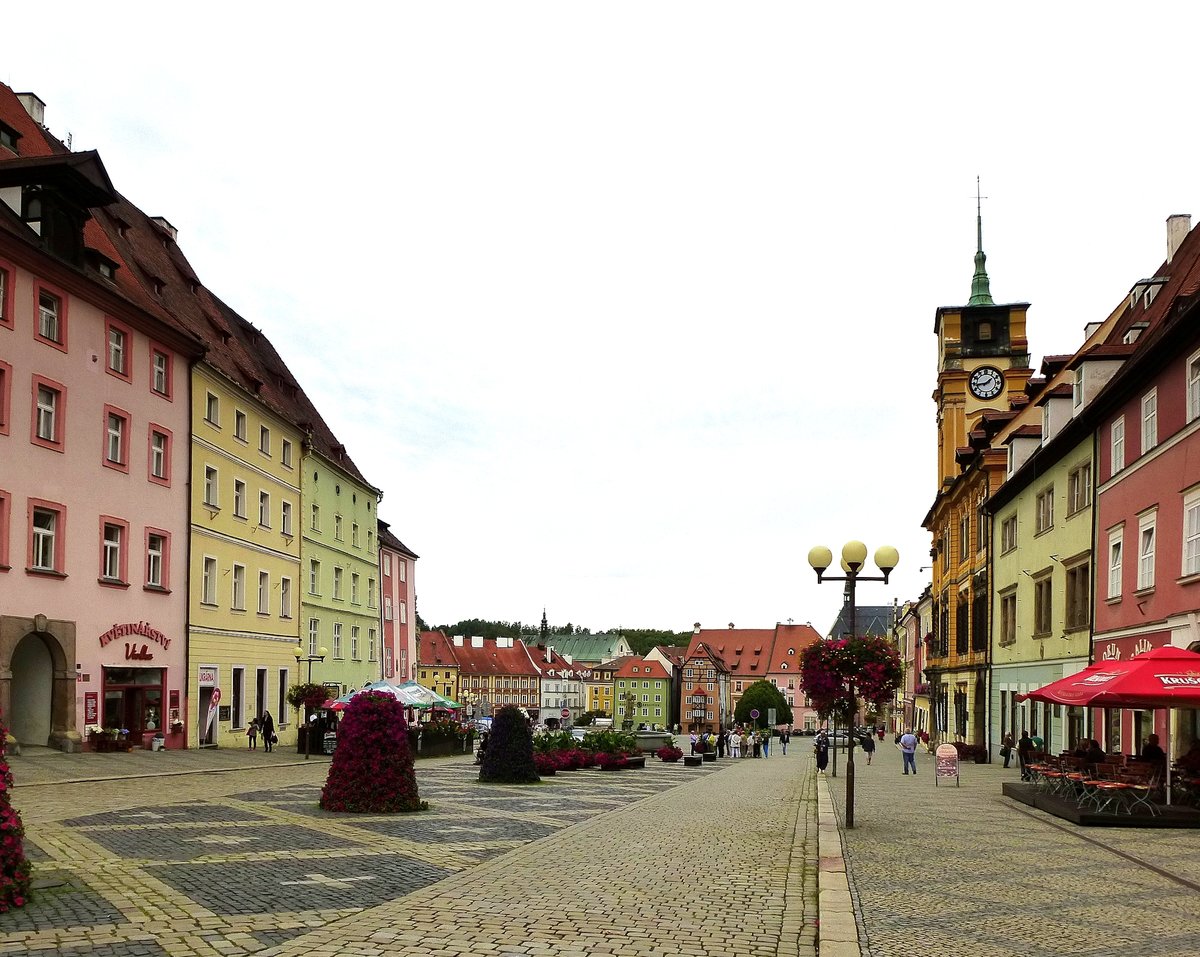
point(443, 729)
point(509, 755)
point(669, 753)
point(14, 868)
point(836, 672)
point(307, 695)
point(548, 762)
point(608, 761)
point(372, 767)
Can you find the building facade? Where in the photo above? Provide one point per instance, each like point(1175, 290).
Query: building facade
point(398, 627)
point(643, 694)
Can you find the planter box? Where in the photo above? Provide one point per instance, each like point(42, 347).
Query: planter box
point(439, 748)
point(710, 756)
point(693, 760)
point(671, 761)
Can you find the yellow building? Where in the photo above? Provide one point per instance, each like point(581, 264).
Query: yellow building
point(983, 365)
point(599, 687)
point(244, 561)
point(437, 665)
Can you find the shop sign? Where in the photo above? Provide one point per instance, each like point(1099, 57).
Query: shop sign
point(135, 629)
point(945, 763)
point(134, 653)
point(91, 707)
point(208, 677)
point(1120, 649)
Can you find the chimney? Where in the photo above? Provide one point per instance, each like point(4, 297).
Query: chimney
point(696, 628)
point(731, 625)
point(1178, 226)
point(34, 107)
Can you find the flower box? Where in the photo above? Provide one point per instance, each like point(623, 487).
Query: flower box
point(709, 756)
point(693, 760)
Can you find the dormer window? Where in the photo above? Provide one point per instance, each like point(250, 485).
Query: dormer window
point(9, 137)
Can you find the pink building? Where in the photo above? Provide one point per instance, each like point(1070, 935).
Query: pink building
point(94, 438)
point(1148, 481)
point(397, 590)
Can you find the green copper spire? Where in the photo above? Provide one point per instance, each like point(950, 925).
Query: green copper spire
point(981, 292)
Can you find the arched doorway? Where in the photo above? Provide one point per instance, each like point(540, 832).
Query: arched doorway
point(29, 721)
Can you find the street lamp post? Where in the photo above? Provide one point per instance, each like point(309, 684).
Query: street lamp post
point(854, 557)
point(299, 655)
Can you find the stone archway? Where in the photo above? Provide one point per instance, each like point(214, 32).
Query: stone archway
point(39, 653)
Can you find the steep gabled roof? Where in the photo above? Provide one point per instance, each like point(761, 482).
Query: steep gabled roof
point(494, 660)
point(389, 540)
point(436, 649)
point(649, 670)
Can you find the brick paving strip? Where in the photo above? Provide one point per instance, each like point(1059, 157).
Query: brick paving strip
point(721, 866)
point(667, 861)
point(963, 870)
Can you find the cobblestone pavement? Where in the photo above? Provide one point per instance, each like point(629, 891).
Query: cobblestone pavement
point(946, 869)
point(195, 862)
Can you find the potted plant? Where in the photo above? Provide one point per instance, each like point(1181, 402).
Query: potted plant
point(669, 753)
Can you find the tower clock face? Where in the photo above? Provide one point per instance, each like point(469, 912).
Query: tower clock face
point(986, 382)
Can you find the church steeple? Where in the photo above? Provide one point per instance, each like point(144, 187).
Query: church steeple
point(981, 292)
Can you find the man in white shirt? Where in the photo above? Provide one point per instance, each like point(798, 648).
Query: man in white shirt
point(908, 748)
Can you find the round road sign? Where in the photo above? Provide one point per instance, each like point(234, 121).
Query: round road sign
point(754, 713)
point(566, 712)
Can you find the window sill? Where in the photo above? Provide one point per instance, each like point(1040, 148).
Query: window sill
point(116, 466)
point(5, 568)
point(157, 588)
point(1144, 592)
point(46, 572)
point(112, 583)
point(47, 444)
point(1115, 600)
point(1041, 635)
point(1188, 579)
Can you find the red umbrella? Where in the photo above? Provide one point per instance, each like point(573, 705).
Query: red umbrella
point(1165, 677)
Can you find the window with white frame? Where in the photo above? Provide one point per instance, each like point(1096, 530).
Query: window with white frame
point(1149, 420)
point(116, 444)
point(315, 523)
point(208, 582)
point(1146, 545)
point(1191, 533)
point(264, 509)
point(370, 644)
point(337, 527)
point(118, 350)
point(264, 440)
point(401, 570)
point(211, 485)
point(50, 324)
point(314, 630)
point(354, 534)
point(1193, 387)
point(285, 453)
point(285, 598)
point(159, 457)
point(239, 424)
point(112, 552)
point(370, 592)
point(1079, 488)
point(1077, 389)
point(48, 414)
point(1115, 561)
point(337, 639)
point(285, 517)
point(354, 642)
point(156, 558)
point(264, 593)
point(403, 613)
point(314, 577)
point(337, 583)
point(212, 409)
point(239, 588)
point(45, 542)
point(1117, 444)
point(160, 372)
point(387, 607)
point(354, 588)
point(239, 498)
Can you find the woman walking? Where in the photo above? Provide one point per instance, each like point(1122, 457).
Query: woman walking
point(821, 747)
point(268, 731)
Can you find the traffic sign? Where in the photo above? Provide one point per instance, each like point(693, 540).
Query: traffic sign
point(754, 712)
point(566, 712)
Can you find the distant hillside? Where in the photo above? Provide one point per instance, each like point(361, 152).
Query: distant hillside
point(641, 640)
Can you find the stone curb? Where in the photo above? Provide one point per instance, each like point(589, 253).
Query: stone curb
point(837, 930)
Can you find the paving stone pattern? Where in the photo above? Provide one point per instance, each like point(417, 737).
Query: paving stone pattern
point(246, 863)
point(943, 870)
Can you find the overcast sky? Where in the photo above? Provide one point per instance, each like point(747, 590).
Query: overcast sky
point(626, 305)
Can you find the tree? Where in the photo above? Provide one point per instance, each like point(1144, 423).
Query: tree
point(372, 768)
point(762, 695)
point(508, 758)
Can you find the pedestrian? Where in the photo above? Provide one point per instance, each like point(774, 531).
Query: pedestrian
point(881, 732)
point(1024, 750)
point(735, 743)
point(1006, 747)
point(721, 739)
point(908, 749)
point(268, 731)
point(868, 746)
point(252, 735)
point(766, 743)
point(821, 749)
point(756, 743)
point(783, 740)
point(693, 742)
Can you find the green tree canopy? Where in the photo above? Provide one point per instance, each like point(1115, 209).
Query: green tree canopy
point(762, 695)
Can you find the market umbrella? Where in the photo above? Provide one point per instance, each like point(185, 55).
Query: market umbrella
point(1167, 677)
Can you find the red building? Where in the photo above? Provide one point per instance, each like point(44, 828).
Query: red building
point(397, 568)
point(1147, 535)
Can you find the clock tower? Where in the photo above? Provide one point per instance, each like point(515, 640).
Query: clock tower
point(983, 358)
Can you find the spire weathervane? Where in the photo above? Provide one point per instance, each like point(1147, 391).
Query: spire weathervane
point(981, 293)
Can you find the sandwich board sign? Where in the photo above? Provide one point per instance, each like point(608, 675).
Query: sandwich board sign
point(946, 764)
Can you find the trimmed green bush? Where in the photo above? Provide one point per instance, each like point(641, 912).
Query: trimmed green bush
point(509, 755)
